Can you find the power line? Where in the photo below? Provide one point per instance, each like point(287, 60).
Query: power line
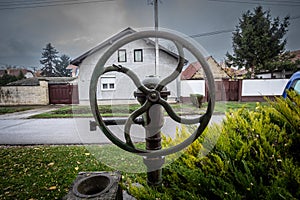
point(280, 1)
point(48, 4)
point(275, 3)
point(296, 17)
point(211, 33)
point(32, 2)
point(224, 31)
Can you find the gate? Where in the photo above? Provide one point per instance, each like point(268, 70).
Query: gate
point(231, 89)
point(63, 94)
point(225, 90)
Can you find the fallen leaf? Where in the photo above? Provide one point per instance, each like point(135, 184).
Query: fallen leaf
point(76, 168)
point(52, 188)
point(87, 154)
point(51, 164)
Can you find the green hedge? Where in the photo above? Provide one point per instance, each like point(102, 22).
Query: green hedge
point(256, 157)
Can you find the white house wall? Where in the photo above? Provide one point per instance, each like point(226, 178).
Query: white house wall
point(124, 86)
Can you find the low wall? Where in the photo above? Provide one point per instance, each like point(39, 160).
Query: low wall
point(24, 95)
point(245, 90)
point(265, 87)
point(191, 87)
point(258, 89)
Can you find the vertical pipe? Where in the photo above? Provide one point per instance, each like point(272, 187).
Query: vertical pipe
point(155, 120)
point(178, 88)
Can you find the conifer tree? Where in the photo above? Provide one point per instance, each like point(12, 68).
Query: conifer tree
point(258, 41)
point(49, 60)
point(62, 64)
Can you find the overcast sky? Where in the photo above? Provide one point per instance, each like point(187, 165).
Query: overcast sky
point(75, 26)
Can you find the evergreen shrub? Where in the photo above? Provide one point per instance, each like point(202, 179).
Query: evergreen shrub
point(256, 157)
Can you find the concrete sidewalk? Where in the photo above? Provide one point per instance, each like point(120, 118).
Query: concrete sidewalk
point(26, 114)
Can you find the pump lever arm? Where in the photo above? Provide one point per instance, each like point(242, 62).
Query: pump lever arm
point(177, 118)
point(131, 120)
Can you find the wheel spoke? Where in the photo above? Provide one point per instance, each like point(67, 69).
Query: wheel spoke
point(150, 95)
point(131, 74)
point(131, 120)
point(176, 72)
point(177, 118)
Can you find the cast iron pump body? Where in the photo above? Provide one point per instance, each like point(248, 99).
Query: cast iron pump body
point(152, 95)
point(153, 121)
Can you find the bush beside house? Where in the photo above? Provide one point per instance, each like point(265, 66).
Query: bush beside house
point(197, 99)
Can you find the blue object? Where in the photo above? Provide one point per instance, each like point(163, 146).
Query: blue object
point(293, 83)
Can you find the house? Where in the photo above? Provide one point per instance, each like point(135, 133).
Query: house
point(16, 72)
point(234, 73)
point(139, 56)
point(194, 71)
point(74, 70)
point(281, 74)
point(223, 87)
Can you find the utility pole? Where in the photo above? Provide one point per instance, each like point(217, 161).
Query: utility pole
point(156, 39)
point(156, 64)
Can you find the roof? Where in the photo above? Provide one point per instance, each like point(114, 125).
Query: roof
point(2, 72)
point(189, 72)
point(35, 81)
point(25, 82)
point(297, 55)
point(194, 70)
point(234, 73)
point(72, 67)
point(77, 61)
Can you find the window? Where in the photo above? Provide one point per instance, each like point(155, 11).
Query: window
point(138, 55)
point(122, 57)
point(108, 83)
point(296, 85)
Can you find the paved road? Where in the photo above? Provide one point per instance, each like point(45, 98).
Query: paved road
point(15, 131)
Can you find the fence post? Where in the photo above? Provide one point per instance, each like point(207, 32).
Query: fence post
point(240, 87)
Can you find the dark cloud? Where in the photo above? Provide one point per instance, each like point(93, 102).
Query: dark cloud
point(75, 29)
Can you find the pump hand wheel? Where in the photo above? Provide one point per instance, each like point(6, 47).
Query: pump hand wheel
point(153, 95)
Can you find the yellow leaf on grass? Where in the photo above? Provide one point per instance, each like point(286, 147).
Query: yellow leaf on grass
point(51, 164)
point(52, 188)
point(76, 168)
point(87, 154)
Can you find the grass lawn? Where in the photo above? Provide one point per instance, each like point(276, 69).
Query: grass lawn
point(42, 172)
point(125, 110)
point(256, 157)
point(47, 172)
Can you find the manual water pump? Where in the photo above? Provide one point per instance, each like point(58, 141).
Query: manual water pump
point(152, 95)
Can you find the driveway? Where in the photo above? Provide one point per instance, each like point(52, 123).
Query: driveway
point(15, 129)
point(26, 114)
